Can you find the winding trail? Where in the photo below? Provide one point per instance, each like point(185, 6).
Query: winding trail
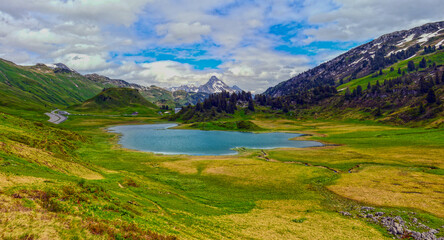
point(56, 118)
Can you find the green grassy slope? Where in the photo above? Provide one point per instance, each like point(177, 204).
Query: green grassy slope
point(38, 87)
point(436, 57)
point(117, 100)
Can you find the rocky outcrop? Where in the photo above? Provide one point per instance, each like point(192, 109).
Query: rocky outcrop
point(396, 225)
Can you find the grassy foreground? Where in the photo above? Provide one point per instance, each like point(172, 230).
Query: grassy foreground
point(74, 182)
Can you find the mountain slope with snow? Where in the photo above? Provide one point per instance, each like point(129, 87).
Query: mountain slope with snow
point(187, 88)
point(214, 85)
point(365, 59)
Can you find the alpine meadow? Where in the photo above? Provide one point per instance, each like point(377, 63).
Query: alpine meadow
point(221, 119)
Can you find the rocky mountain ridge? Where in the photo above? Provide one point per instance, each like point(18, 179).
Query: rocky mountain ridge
point(190, 88)
point(214, 85)
point(365, 59)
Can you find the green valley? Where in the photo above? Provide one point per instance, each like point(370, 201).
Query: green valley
point(378, 111)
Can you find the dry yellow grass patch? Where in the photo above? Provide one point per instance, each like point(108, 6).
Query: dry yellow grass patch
point(248, 171)
point(273, 220)
point(19, 222)
point(44, 158)
point(430, 156)
point(388, 186)
point(343, 154)
point(12, 180)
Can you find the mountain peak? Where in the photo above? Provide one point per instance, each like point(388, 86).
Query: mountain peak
point(213, 79)
point(60, 68)
point(215, 85)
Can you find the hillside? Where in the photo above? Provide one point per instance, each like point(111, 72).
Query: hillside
point(117, 100)
point(45, 87)
point(41, 88)
point(153, 94)
point(366, 59)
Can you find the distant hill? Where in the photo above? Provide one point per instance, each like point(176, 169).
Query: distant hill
point(154, 94)
point(117, 100)
point(44, 87)
point(187, 88)
point(40, 88)
point(366, 59)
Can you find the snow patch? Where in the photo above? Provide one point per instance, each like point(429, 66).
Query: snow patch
point(357, 61)
point(440, 43)
point(400, 50)
point(407, 39)
point(426, 36)
point(53, 66)
point(411, 57)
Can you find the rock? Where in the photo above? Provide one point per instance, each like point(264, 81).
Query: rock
point(399, 220)
point(367, 208)
point(345, 213)
point(434, 231)
point(423, 226)
point(396, 229)
point(379, 213)
point(369, 216)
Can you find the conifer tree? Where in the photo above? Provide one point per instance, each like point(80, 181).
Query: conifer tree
point(359, 90)
point(251, 105)
point(431, 97)
point(423, 63)
point(410, 66)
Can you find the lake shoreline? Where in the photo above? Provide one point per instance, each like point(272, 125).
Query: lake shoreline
point(163, 138)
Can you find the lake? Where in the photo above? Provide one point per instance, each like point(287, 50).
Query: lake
point(159, 138)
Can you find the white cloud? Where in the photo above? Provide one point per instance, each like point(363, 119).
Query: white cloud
point(161, 73)
point(84, 62)
point(363, 20)
point(182, 33)
point(112, 37)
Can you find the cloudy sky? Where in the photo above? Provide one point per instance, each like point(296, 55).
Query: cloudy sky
point(254, 44)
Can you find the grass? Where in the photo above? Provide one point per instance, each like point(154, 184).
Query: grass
point(39, 88)
point(117, 101)
point(80, 184)
point(436, 57)
point(390, 186)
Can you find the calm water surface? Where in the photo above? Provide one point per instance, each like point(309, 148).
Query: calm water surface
point(158, 138)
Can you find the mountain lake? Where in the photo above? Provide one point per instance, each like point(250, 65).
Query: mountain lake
point(160, 138)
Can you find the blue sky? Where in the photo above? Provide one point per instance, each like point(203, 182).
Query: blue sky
point(254, 44)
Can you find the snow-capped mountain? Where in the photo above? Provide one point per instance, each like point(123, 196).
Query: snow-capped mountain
point(187, 88)
point(215, 85)
point(236, 88)
point(367, 58)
